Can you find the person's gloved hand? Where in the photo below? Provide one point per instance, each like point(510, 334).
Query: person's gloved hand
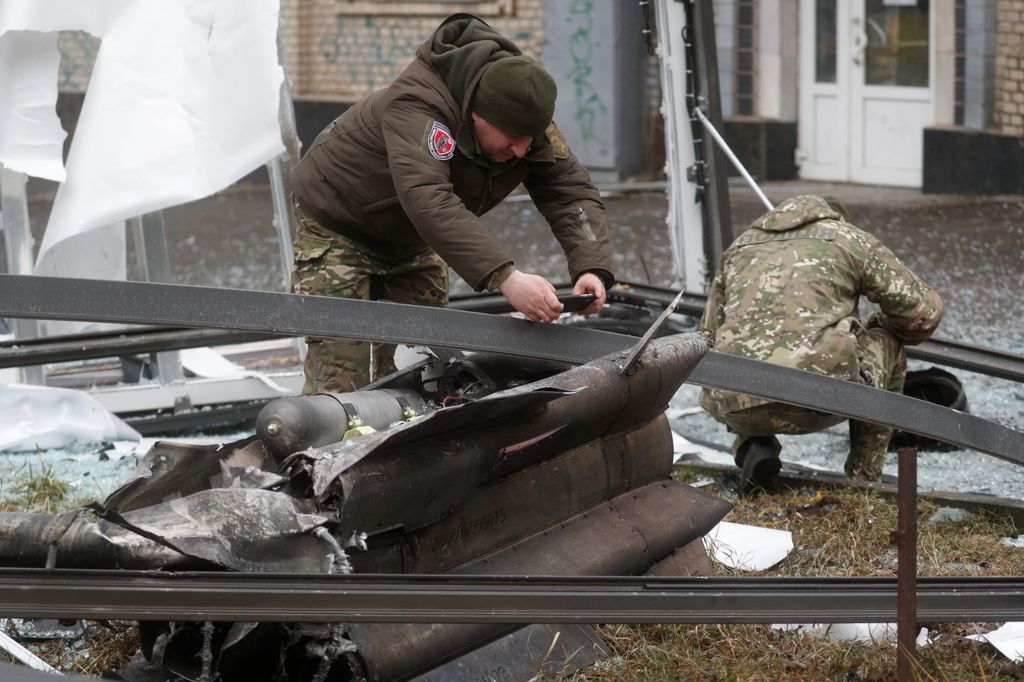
point(532, 295)
point(589, 283)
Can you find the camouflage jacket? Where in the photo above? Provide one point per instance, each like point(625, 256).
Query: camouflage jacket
point(787, 292)
point(399, 170)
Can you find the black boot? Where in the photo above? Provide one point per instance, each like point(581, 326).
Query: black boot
point(760, 465)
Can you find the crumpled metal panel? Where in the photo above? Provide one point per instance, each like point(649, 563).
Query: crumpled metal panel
point(236, 528)
point(79, 541)
point(171, 470)
point(689, 560)
point(438, 472)
point(567, 475)
point(534, 498)
point(329, 462)
point(623, 536)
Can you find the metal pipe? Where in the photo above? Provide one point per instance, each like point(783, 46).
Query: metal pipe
point(732, 157)
point(906, 576)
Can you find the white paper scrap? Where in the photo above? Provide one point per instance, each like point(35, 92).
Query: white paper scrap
point(1008, 640)
point(748, 548)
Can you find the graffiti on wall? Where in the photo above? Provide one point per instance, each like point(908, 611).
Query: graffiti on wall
point(370, 53)
point(589, 109)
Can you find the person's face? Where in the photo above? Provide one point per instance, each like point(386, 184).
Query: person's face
point(496, 144)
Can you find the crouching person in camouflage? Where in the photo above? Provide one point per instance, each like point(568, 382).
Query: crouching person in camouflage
point(787, 292)
point(389, 195)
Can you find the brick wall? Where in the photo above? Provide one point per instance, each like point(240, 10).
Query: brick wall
point(1009, 95)
point(342, 50)
point(77, 55)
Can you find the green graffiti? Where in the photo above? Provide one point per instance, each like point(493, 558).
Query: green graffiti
point(589, 107)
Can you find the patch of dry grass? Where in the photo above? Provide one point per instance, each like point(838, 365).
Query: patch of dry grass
point(839, 532)
point(35, 489)
point(106, 646)
point(836, 532)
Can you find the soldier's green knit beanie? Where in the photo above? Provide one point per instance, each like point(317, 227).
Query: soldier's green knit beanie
point(517, 95)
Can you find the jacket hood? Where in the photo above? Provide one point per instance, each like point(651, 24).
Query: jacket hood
point(460, 48)
point(796, 212)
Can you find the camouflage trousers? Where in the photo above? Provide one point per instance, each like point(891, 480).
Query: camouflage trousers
point(883, 364)
point(328, 264)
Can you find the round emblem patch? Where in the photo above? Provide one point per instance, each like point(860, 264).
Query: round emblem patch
point(440, 142)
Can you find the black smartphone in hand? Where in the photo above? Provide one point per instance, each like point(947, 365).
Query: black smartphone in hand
point(573, 303)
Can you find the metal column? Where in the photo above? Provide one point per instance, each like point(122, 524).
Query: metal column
point(155, 266)
point(17, 235)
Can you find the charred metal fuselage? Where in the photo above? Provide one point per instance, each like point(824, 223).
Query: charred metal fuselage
point(477, 465)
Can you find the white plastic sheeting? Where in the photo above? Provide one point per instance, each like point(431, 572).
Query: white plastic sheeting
point(182, 101)
point(868, 633)
point(44, 418)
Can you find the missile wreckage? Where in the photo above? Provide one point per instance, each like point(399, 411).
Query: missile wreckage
point(463, 463)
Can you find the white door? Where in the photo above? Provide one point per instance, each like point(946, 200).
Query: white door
point(866, 93)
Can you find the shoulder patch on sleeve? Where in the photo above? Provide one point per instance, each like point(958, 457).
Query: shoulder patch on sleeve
point(558, 143)
point(439, 141)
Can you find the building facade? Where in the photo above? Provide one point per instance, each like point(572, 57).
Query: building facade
point(892, 92)
point(912, 93)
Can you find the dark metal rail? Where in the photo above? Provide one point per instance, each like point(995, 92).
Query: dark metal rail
point(941, 351)
point(144, 595)
point(39, 351)
point(22, 353)
point(258, 311)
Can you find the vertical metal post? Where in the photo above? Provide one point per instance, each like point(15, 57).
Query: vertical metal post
point(17, 235)
point(281, 176)
point(717, 211)
point(686, 217)
point(155, 266)
point(906, 576)
point(282, 220)
point(281, 173)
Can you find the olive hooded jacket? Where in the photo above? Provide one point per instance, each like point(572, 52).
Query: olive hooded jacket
point(400, 169)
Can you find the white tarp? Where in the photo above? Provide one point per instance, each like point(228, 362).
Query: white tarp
point(44, 418)
point(182, 101)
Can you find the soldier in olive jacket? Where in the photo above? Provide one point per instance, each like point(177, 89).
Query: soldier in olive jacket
point(390, 193)
point(787, 292)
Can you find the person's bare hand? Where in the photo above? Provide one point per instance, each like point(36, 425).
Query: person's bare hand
point(589, 283)
point(532, 295)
